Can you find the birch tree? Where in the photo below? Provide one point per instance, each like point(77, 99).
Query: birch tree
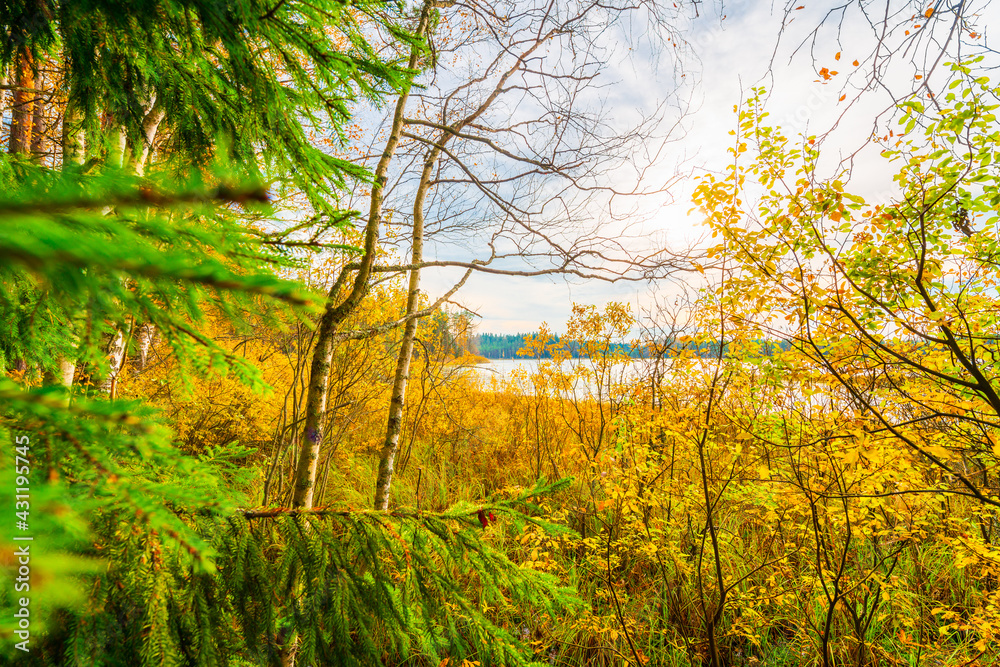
point(338, 306)
point(520, 160)
point(503, 147)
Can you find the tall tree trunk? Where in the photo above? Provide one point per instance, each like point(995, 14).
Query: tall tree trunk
point(74, 142)
point(145, 340)
point(4, 82)
point(118, 148)
point(23, 106)
point(155, 114)
point(27, 133)
point(397, 402)
point(120, 156)
point(394, 426)
point(39, 145)
point(73, 150)
point(319, 372)
point(116, 357)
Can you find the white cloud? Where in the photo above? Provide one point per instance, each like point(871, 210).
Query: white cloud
point(734, 54)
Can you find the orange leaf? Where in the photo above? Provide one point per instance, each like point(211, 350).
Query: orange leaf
point(919, 76)
point(856, 63)
point(837, 57)
point(800, 7)
point(929, 12)
point(842, 98)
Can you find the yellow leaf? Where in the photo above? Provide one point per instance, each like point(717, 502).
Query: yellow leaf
point(936, 451)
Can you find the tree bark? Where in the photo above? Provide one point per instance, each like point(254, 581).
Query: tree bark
point(39, 145)
point(145, 341)
point(397, 402)
point(118, 148)
point(74, 142)
point(150, 123)
point(394, 426)
point(3, 90)
point(120, 156)
point(23, 105)
point(73, 153)
point(319, 372)
point(116, 356)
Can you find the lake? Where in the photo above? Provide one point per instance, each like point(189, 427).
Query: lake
point(520, 371)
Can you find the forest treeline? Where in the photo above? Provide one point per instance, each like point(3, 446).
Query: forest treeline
point(507, 346)
point(234, 430)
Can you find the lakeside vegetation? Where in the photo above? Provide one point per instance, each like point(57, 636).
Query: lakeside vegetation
point(507, 346)
point(510, 346)
point(237, 430)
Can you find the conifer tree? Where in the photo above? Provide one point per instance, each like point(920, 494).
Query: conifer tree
point(180, 120)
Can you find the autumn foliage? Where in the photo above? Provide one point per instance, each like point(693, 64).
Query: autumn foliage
point(802, 467)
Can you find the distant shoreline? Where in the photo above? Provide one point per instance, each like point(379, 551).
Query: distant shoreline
point(505, 346)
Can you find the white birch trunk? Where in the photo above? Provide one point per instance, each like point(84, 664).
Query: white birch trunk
point(116, 356)
point(319, 372)
point(150, 124)
point(397, 402)
point(73, 152)
point(144, 341)
point(67, 370)
point(116, 347)
point(394, 425)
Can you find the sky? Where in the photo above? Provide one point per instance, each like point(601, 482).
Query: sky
point(735, 47)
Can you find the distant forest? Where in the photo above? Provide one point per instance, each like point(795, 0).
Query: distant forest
point(505, 346)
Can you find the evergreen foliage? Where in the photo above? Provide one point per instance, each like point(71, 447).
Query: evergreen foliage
point(246, 78)
point(145, 555)
point(64, 260)
point(145, 264)
point(190, 578)
point(348, 588)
